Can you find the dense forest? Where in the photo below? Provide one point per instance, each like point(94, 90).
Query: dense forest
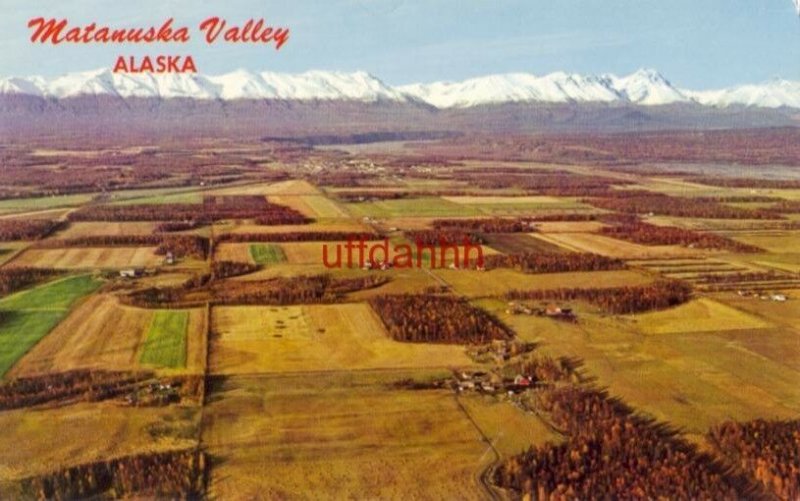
point(26, 229)
point(650, 234)
point(14, 279)
point(437, 319)
point(539, 262)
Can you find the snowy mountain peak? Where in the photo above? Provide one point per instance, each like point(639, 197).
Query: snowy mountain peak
point(646, 87)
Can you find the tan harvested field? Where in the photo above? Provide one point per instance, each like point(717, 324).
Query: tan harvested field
point(338, 225)
point(312, 252)
point(36, 441)
point(103, 334)
point(698, 316)
point(612, 247)
point(81, 229)
point(344, 436)
point(266, 339)
point(570, 226)
point(771, 241)
point(314, 206)
point(89, 258)
point(239, 252)
point(292, 187)
point(498, 282)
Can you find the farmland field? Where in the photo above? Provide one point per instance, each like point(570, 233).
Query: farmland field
point(86, 258)
point(260, 339)
point(267, 254)
point(288, 377)
point(340, 436)
point(30, 315)
point(165, 342)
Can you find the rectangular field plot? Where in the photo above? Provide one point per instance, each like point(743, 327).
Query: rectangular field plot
point(103, 334)
point(266, 254)
point(28, 316)
point(89, 229)
point(269, 339)
point(345, 436)
point(771, 241)
point(165, 342)
point(612, 247)
point(314, 206)
point(238, 252)
point(78, 258)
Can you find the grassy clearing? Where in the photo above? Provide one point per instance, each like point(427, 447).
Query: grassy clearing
point(267, 254)
point(31, 314)
point(165, 345)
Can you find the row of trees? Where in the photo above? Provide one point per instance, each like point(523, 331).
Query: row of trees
point(177, 474)
point(298, 236)
point(537, 262)
point(767, 450)
point(14, 279)
point(738, 277)
point(660, 204)
point(274, 291)
point(179, 245)
point(437, 319)
point(611, 453)
point(226, 269)
point(77, 385)
point(650, 234)
point(176, 226)
point(748, 182)
point(444, 237)
point(26, 229)
point(618, 300)
point(212, 209)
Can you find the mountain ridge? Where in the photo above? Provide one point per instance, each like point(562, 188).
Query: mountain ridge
point(645, 87)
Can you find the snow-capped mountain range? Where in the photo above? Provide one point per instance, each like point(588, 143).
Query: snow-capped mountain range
point(644, 87)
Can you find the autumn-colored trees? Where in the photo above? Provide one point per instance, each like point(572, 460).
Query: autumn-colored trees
point(537, 262)
point(225, 269)
point(179, 245)
point(213, 208)
point(443, 237)
point(660, 204)
point(166, 475)
point(650, 234)
point(26, 229)
point(437, 319)
point(611, 453)
point(274, 291)
point(14, 279)
point(618, 300)
point(767, 450)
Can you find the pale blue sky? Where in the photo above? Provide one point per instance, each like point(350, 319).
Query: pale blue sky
point(695, 43)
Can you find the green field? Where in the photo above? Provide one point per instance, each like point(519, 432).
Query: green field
point(29, 315)
point(42, 203)
point(267, 254)
point(165, 344)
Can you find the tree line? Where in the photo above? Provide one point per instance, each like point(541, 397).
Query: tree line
point(14, 279)
point(299, 236)
point(618, 300)
point(179, 245)
point(664, 205)
point(26, 229)
point(650, 234)
point(537, 262)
